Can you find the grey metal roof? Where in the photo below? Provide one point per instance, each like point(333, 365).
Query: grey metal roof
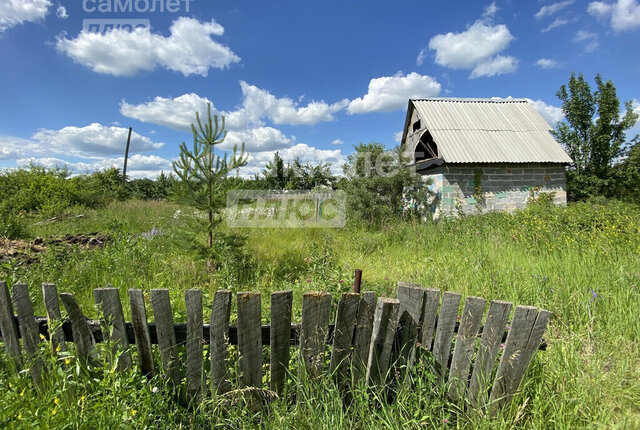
point(488, 131)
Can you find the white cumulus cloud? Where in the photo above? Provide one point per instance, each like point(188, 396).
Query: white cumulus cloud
point(15, 12)
point(552, 114)
point(61, 12)
point(551, 9)
point(93, 141)
point(475, 48)
point(258, 139)
point(390, 93)
point(177, 113)
point(546, 63)
point(624, 14)
point(188, 50)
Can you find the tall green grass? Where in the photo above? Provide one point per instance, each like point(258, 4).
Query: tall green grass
point(582, 263)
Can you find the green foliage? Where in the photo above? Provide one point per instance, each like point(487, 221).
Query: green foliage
point(295, 175)
point(202, 171)
point(593, 134)
point(627, 174)
point(376, 181)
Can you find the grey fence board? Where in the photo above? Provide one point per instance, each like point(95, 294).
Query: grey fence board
point(281, 308)
point(343, 335)
point(141, 330)
point(444, 332)
point(165, 333)
point(114, 324)
point(362, 336)
point(195, 374)
point(52, 306)
point(82, 336)
point(429, 316)
point(249, 344)
point(465, 346)
point(384, 329)
point(316, 309)
point(219, 341)
point(7, 324)
point(492, 333)
point(28, 330)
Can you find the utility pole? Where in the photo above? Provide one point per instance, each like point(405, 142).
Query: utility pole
point(126, 157)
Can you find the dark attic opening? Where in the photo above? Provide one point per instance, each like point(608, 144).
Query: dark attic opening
point(426, 149)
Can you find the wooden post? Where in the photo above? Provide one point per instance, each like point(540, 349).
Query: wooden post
point(429, 315)
point(280, 338)
point(219, 341)
point(161, 304)
point(250, 344)
point(357, 281)
point(126, 158)
point(195, 380)
point(411, 297)
point(141, 331)
point(384, 330)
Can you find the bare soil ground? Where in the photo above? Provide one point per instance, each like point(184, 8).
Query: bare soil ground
point(27, 252)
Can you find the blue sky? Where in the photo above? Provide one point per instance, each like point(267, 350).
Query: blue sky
point(307, 79)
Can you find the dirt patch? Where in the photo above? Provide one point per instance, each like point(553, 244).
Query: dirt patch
point(27, 252)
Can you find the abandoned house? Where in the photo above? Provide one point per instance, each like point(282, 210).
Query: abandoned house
point(482, 154)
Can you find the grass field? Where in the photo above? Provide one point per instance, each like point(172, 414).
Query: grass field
point(582, 263)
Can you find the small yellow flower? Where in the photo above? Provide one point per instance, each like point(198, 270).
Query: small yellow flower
point(54, 411)
point(56, 401)
point(133, 412)
point(20, 415)
point(57, 348)
point(22, 393)
point(67, 360)
point(82, 399)
point(42, 336)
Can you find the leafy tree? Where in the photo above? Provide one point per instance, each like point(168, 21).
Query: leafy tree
point(376, 181)
point(203, 172)
point(627, 174)
point(295, 175)
point(593, 133)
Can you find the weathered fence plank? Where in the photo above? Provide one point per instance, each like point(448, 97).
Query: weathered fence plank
point(411, 297)
point(162, 313)
point(465, 346)
point(281, 308)
point(195, 374)
point(114, 327)
point(219, 341)
point(429, 315)
point(522, 324)
point(362, 336)
point(343, 335)
point(316, 309)
point(384, 329)
point(9, 329)
point(52, 306)
point(523, 340)
point(141, 330)
point(249, 344)
point(492, 333)
point(82, 336)
point(444, 332)
point(28, 330)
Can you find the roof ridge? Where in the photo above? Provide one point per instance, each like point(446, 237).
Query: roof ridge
point(471, 99)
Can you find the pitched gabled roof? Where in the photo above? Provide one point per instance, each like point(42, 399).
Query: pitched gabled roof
point(487, 131)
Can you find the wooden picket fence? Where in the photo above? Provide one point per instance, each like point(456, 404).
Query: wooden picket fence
point(482, 364)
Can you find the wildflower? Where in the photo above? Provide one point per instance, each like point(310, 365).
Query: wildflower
point(445, 421)
point(67, 360)
point(22, 393)
point(19, 415)
point(57, 348)
point(133, 412)
point(42, 336)
point(154, 390)
point(341, 281)
point(56, 401)
point(594, 296)
point(82, 398)
point(54, 411)
point(308, 280)
point(502, 346)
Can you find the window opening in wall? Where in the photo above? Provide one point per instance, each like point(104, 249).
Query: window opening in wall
point(416, 126)
point(426, 149)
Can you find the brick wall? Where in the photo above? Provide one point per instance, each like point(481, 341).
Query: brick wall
point(473, 189)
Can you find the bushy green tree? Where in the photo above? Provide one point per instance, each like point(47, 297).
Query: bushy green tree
point(593, 133)
point(203, 172)
point(295, 175)
point(376, 181)
point(627, 174)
